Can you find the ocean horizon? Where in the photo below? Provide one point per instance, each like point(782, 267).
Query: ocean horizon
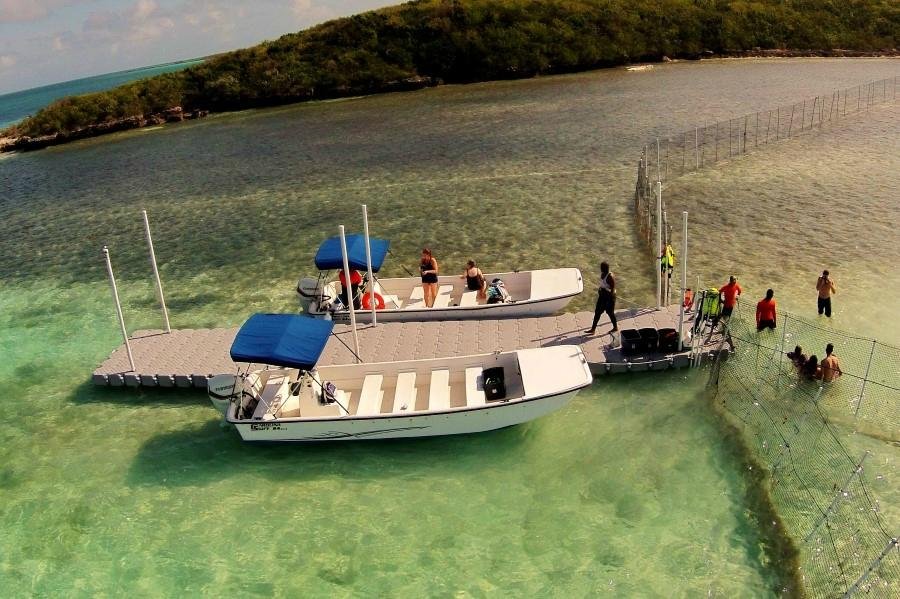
point(18, 105)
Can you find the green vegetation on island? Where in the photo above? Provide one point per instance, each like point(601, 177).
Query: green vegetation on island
point(429, 41)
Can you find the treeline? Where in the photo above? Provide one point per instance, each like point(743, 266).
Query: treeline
point(428, 41)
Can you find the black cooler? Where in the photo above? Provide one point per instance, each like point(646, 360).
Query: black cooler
point(494, 383)
point(649, 339)
point(631, 342)
point(668, 340)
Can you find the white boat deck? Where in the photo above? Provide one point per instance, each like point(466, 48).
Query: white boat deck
point(187, 358)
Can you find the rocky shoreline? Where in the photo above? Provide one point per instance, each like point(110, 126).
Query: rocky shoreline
point(178, 114)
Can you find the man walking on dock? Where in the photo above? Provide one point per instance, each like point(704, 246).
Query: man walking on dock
point(825, 287)
point(606, 299)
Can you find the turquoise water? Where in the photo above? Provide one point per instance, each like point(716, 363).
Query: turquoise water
point(630, 491)
point(16, 106)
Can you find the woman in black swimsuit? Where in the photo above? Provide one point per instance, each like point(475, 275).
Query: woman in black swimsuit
point(475, 280)
point(429, 269)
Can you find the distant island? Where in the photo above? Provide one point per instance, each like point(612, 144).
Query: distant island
point(429, 42)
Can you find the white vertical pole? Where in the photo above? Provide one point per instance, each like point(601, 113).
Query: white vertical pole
point(369, 264)
point(115, 292)
point(349, 290)
point(658, 244)
point(159, 289)
point(666, 280)
point(684, 257)
point(658, 171)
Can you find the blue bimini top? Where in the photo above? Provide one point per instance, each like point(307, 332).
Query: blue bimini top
point(288, 340)
point(329, 255)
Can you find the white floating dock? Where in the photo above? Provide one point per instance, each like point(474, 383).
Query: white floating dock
point(187, 358)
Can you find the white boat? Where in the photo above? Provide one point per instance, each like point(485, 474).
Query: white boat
point(532, 292)
point(290, 400)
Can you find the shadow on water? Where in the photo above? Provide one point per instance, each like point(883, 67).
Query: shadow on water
point(201, 454)
point(137, 397)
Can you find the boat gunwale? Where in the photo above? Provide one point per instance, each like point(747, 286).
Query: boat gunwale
point(420, 413)
point(498, 403)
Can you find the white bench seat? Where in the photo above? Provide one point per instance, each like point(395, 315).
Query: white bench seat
point(475, 387)
point(371, 395)
point(417, 298)
point(439, 392)
point(405, 394)
point(469, 298)
point(443, 297)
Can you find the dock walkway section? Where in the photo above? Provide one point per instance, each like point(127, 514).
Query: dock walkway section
point(187, 358)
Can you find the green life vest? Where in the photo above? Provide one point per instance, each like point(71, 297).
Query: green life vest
point(711, 303)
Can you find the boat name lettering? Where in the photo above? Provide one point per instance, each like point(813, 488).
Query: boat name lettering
point(266, 426)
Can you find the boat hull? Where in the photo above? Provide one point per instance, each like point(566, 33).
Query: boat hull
point(525, 308)
point(455, 422)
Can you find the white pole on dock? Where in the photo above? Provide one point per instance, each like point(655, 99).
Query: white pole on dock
point(115, 292)
point(369, 265)
point(349, 290)
point(159, 289)
point(658, 244)
point(684, 257)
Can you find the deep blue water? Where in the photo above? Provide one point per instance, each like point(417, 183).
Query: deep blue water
point(18, 105)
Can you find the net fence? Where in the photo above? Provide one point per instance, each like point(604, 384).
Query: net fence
point(805, 433)
point(664, 159)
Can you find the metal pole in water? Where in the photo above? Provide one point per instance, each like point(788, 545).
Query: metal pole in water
point(658, 244)
point(159, 289)
point(369, 264)
point(684, 257)
point(658, 174)
point(115, 292)
point(349, 291)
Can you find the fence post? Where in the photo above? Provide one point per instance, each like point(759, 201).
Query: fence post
point(696, 147)
point(791, 122)
point(768, 122)
point(684, 257)
point(668, 139)
point(746, 117)
point(717, 141)
point(729, 137)
point(683, 149)
point(837, 496)
point(891, 545)
point(803, 115)
point(778, 124)
point(862, 392)
point(784, 327)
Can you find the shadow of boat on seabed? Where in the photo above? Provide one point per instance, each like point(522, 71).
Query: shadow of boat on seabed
point(204, 453)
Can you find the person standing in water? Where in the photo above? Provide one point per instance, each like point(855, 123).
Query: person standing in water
point(825, 287)
point(765, 312)
point(606, 299)
point(428, 266)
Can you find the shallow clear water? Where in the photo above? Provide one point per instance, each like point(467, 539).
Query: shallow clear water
point(631, 490)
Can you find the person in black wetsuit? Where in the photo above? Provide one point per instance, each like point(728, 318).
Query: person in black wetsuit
point(475, 280)
point(606, 299)
point(428, 266)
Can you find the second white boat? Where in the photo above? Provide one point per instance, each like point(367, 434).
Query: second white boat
point(532, 292)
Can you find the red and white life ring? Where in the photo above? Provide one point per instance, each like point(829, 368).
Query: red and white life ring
point(367, 301)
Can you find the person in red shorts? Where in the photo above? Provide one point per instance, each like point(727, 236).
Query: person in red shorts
point(765, 312)
point(355, 282)
point(730, 292)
